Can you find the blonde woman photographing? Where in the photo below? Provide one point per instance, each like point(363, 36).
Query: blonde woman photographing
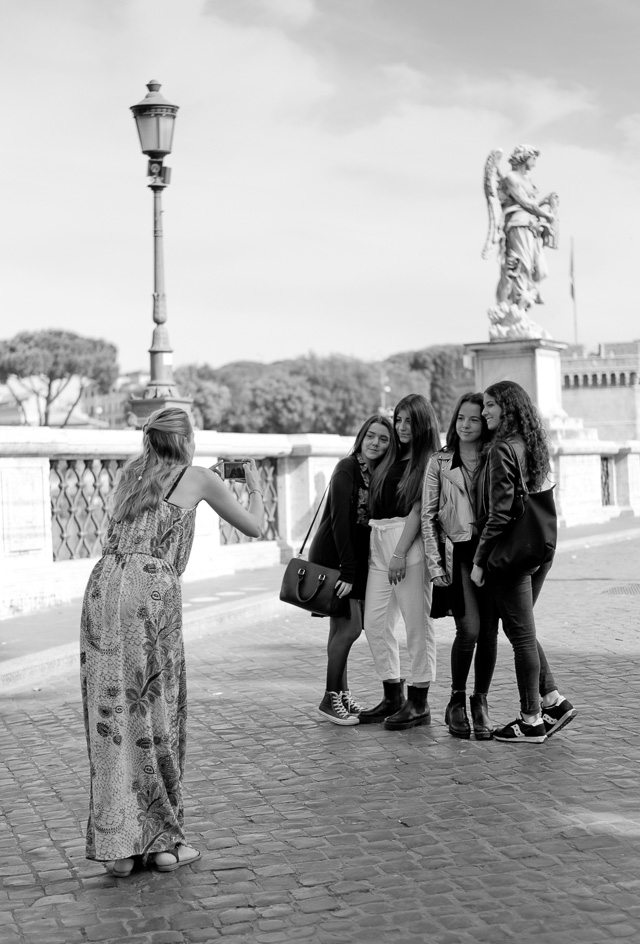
point(131, 649)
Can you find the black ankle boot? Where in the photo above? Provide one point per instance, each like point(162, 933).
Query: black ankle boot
point(414, 712)
point(456, 716)
point(483, 727)
point(392, 701)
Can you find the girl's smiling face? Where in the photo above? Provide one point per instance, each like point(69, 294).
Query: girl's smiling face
point(491, 412)
point(375, 443)
point(403, 427)
point(469, 422)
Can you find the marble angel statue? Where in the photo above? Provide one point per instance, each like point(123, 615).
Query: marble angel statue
point(521, 225)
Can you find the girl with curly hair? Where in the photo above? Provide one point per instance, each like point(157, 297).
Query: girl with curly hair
point(518, 448)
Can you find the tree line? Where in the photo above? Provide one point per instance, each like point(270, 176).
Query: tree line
point(309, 394)
point(314, 394)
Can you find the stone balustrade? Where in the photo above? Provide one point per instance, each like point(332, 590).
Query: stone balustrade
point(44, 470)
point(50, 474)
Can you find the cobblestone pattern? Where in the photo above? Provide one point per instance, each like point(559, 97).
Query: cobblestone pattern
point(311, 832)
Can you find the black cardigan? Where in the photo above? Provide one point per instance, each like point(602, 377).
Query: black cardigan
point(340, 541)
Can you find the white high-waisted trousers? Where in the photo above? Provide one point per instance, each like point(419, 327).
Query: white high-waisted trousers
point(411, 597)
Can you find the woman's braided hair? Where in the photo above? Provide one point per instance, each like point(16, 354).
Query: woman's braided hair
point(144, 478)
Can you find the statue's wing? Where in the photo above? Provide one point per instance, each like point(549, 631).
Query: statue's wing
point(491, 180)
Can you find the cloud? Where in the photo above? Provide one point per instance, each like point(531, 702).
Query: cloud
point(279, 216)
point(528, 101)
point(295, 12)
point(630, 128)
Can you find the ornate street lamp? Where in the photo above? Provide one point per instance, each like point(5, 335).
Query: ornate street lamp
point(155, 118)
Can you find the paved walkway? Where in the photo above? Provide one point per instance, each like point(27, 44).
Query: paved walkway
point(319, 833)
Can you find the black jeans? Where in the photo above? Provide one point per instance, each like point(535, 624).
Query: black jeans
point(515, 598)
point(476, 631)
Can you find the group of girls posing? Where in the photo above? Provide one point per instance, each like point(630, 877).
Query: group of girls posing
point(410, 527)
point(399, 518)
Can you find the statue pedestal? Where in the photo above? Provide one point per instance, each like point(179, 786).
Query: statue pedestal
point(141, 408)
point(534, 363)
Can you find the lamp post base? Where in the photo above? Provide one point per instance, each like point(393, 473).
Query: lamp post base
point(140, 408)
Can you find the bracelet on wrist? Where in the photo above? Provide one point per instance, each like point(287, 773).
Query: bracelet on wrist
point(399, 556)
point(252, 490)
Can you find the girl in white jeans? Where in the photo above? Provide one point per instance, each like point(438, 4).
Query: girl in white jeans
point(398, 583)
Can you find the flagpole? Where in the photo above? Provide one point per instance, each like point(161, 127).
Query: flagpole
point(573, 296)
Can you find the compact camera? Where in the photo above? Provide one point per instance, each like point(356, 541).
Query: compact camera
point(233, 469)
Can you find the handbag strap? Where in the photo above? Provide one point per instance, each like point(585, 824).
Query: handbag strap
point(523, 484)
point(354, 494)
point(313, 520)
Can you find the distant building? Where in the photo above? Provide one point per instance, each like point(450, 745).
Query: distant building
point(601, 387)
point(111, 408)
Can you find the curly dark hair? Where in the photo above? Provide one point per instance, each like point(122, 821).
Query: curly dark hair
point(519, 417)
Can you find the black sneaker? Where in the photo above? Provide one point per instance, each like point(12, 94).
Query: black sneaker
point(558, 715)
point(349, 702)
point(332, 709)
point(519, 732)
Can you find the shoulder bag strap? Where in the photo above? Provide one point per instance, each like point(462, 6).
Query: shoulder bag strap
point(313, 521)
point(523, 484)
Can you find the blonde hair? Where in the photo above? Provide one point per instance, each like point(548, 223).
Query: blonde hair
point(144, 478)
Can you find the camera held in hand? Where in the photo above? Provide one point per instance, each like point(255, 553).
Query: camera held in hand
point(234, 469)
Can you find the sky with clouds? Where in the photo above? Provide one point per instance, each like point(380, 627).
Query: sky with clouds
point(327, 169)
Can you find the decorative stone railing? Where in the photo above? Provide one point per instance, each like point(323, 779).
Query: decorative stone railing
point(54, 484)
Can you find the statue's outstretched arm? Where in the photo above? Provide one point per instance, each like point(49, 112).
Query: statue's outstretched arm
point(513, 186)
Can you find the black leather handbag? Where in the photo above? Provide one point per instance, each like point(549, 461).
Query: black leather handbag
point(530, 540)
point(312, 586)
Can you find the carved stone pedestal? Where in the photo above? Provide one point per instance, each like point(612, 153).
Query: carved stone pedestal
point(534, 363)
point(142, 407)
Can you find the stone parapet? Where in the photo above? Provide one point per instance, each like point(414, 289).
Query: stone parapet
point(596, 481)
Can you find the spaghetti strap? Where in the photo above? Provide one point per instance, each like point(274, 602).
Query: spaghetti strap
point(175, 482)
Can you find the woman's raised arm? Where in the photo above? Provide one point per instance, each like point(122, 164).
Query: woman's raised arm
point(215, 494)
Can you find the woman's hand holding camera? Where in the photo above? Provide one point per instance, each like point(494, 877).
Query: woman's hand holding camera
point(252, 476)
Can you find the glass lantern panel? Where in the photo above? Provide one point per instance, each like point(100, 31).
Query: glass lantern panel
point(155, 133)
point(147, 132)
point(165, 132)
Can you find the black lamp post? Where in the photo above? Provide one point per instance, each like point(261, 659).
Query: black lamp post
point(155, 118)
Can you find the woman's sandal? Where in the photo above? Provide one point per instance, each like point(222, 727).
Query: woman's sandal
point(185, 857)
point(121, 868)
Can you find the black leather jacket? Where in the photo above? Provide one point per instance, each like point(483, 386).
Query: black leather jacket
point(497, 490)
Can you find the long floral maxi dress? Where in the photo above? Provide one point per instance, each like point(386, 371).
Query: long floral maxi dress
point(134, 685)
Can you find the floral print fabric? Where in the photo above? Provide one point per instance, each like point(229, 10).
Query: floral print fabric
point(134, 685)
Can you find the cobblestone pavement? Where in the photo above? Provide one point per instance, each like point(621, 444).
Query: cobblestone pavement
point(314, 832)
